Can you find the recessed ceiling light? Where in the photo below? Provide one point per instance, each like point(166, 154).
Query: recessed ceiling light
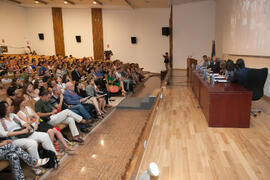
point(65, 2)
point(36, 2)
point(94, 2)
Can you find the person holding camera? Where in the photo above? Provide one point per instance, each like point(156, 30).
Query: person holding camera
point(166, 61)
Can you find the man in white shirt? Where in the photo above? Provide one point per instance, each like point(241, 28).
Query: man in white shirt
point(6, 80)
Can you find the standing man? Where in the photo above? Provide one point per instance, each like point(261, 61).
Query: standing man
point(108, 53)
point(166, 61)
point(206, 61)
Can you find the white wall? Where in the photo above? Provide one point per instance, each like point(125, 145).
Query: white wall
point(78, 22)
point(118, 27)
point(246, 26)
point(13, 28)
point(193, 31)
point(24, 24)
point(151, 44)
point(145, 24)
point(39, 20)
point(223, 14)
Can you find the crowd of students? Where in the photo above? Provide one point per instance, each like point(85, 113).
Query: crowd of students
point(45, 91)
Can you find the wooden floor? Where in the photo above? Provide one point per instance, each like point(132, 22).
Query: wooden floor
point(185, 148)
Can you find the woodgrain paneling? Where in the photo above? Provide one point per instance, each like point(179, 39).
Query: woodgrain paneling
point(171, 38)
point(58, 31)
point(190, 62)
point(224, 104)
point(97, 29)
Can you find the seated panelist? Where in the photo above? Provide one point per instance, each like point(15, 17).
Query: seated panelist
point(240, 75)
point(215, 65)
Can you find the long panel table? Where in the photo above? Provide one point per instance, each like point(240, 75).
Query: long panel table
point(223, 104)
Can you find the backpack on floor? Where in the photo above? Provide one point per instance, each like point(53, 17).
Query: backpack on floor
point(53, 162)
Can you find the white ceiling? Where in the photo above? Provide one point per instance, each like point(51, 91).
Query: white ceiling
point(105, 3)
point(89, 3)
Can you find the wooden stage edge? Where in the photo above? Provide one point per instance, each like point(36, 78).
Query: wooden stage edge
point(133, 165)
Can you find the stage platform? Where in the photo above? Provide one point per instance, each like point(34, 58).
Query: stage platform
point(138, 103)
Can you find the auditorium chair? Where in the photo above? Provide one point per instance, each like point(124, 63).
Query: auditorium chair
point(255, 83)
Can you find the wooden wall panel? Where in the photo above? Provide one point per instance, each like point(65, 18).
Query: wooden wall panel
point(97, 28)
point(58, 31)
point(171, 37)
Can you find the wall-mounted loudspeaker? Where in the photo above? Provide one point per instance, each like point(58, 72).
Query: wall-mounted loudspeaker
point(165, 31)
point(78, 39)
point(133, 40)
point(41, 36)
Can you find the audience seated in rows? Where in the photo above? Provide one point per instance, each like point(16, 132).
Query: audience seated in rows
point(57, 101)
point(40, 90)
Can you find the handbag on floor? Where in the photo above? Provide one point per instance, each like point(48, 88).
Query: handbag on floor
point(53, 162)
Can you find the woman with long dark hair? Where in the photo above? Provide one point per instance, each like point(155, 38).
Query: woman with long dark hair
point(28, 115)
point(12, 126)
point(29, 93)
point(230, 69)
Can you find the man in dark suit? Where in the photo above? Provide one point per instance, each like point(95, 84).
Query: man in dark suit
point(76, 76)
point(215, 65)
point(240, 75)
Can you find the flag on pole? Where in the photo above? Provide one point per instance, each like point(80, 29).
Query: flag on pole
point(213, 49)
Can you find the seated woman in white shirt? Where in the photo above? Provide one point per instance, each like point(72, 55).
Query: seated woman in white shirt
point(60, 84)
point(59, 71)
point(28, 115)
point(10, 122)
